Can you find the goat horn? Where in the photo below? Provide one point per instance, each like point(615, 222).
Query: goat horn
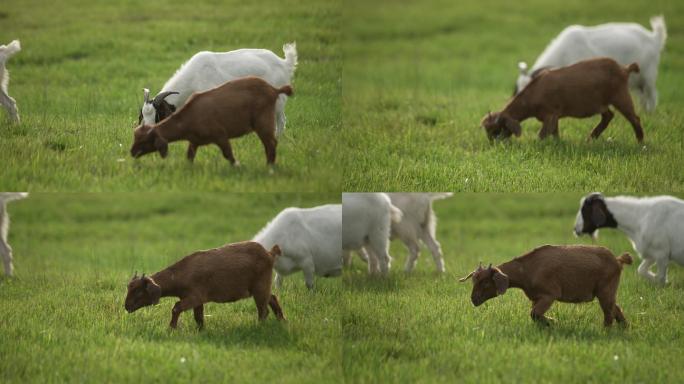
point(490, 266)
point(146, 98)
point(163, 95)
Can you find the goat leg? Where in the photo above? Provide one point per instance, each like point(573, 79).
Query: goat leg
point(198, 311)
point(619, 316)
point(192, 151)
point(275, 307)
point(539, 308)
point(227, 151)
point(606, 117)
point(180, 307)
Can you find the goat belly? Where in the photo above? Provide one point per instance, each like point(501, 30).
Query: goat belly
point(229, 297)
point(575, 297)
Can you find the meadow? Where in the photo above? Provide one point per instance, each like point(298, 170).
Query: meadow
point(79, 77)
point(63, 317)
point(420, 75)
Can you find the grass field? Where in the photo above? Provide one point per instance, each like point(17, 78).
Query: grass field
point(63, 317)
point(78, 84)
point(420, 75)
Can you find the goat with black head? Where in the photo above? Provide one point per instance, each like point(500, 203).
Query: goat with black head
point(654, 225)
point(156, 110)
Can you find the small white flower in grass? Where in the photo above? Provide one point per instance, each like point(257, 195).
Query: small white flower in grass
point(466, 179)
point(182, 360)
point(641, 297)
point(615, 357)
point(120, 145)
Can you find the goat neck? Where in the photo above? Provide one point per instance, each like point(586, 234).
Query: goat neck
point(628, 212)
point(166, 281)
point(515, 272)
point(172, 128)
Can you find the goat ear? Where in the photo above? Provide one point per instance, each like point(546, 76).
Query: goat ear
point(598, 217)
point(462, 279)
point(500, 280)
point(161, 145)
point(153, 290)
point(513, 126)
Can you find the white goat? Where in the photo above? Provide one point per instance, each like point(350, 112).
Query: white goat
point(625, 43)
point(5, 248)
point(207, 70)
point(366, 224)
point(309, 240)
point(418, 223)
point(654, 225)
point(7, 51)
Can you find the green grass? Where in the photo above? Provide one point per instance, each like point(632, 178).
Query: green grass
point(79, 77)
point(420, 75)
point(63, 317)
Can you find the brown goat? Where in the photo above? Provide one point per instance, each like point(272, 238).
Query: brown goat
point(570, 274)
point(231, 110)
point(581, 90)
point(226, 274)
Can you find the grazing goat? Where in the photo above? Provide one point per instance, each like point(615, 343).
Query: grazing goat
point(570, 274)
point(234, 109)
point(625, 43)
point(366, 223)
point(5, 248)
point(580, 90)
point(654, 225)
point(310, 241)
point(7, 51)
point(221, 275)
point(207, 70)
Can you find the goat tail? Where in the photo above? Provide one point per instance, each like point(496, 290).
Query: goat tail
point(395, 214)
point(11, 196)
point(275, 251)
point(440, 195)
point(290, 50)
point(286, 89)
point(12, 48)
point(634, 67)
point(625, 258)
point(659, 29)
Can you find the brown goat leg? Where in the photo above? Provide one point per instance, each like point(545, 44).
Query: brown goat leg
point(270, 143)
point(261, 302)
point(192, 151)
point(606, 117)
point(539, 308)
point(619, 316)
point(275, 307)
point(623, 103)
point(180, 307)
point(198, 311)
point(227, 151)
point(608, 306)
point(549, 127)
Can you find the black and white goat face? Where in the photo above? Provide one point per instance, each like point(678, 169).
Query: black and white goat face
point(592, 215)
point(157, 109)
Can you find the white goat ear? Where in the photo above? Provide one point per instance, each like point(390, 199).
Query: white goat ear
point(147, 95)
point(522, 67)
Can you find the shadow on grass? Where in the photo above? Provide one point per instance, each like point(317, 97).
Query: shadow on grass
point(222, 333)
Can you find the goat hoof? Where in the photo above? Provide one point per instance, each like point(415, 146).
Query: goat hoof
point(236, 164)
